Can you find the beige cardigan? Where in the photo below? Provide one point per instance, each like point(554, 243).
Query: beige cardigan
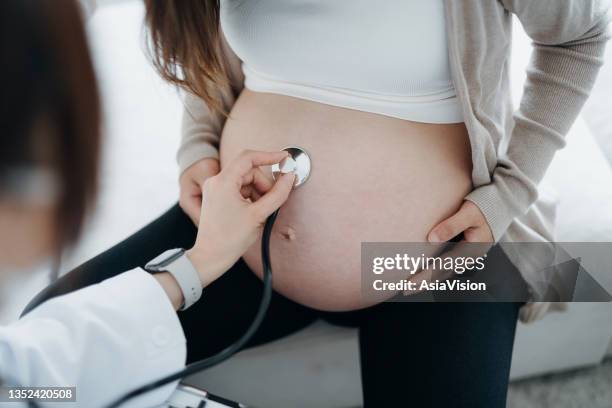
point(511, 150)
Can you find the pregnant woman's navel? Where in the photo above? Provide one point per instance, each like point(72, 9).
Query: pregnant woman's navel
point(373, 178)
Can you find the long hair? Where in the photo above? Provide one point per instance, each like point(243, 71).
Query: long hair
point(49, 103)
point(184, 45)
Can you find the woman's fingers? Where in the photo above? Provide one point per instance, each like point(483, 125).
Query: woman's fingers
point(461, 250)
point(190, 200)
point(276, 196)
point(478, 234)
point(452, 226)
point(191, 182)
point(249, 159)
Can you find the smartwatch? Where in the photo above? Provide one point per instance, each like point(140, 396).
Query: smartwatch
point(176, 262)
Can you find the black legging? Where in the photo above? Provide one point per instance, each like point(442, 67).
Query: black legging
point(412, 354)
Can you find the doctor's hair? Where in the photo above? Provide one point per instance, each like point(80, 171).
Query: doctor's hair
point(184, 45)
point(49, 105)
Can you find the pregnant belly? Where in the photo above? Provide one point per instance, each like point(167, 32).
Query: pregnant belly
point(373, 178)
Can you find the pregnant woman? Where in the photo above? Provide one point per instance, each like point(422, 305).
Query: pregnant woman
point(404, 108)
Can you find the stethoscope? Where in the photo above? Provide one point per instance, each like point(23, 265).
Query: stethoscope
point(298, 162)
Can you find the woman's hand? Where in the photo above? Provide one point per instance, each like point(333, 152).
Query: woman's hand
point(469, 220)
point(191, 182)
point(235, 205)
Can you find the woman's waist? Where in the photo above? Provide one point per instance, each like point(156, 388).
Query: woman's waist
point(271, 121)
point(360, 160)
point(373, 178)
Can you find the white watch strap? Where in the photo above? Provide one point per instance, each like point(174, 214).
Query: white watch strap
point(188, 279)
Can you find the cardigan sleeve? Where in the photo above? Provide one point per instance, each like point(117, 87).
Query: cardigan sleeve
point(201, 125)
point(569, 38)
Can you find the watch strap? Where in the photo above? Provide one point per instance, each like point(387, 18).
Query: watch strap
point(187, 278)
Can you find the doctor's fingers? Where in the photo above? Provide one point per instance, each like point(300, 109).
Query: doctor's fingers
point(275, 197)
point(255, 184)
point(250, 159)
point(257, 179)
point(249, 193)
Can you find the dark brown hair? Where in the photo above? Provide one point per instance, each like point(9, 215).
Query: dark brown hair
point(185, 46)
point(49, 103)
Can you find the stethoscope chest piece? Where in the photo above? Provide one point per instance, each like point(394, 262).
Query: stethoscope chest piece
point(298, 161)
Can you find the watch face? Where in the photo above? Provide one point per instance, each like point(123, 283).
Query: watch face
point(164, 259)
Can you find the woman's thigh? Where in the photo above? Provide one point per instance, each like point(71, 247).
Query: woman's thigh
point(437, 354)
point(227, 306)
point(171, 230)
point(441, 354)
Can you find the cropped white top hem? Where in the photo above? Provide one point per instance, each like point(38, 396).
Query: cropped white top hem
point(390, 58)
point(438, 108)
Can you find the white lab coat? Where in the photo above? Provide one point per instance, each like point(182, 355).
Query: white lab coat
point(105, 339)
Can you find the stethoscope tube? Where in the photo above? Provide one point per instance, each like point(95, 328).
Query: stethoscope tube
point(299, 163)
point(236, 346)
point(228, 351)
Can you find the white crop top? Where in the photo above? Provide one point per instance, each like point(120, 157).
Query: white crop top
point(387, 57)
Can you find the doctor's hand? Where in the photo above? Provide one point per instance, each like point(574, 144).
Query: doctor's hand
point(235, 205)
